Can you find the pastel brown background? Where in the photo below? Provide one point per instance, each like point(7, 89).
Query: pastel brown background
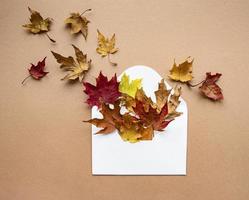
point(45, 149)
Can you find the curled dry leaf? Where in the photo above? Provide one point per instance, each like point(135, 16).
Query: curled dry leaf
point(104, 92)
point(78, 23)
point(106, 46)
point(182, 72)
point(209, 87)
point(37, 71)
point(38, 24)
point(77, 68)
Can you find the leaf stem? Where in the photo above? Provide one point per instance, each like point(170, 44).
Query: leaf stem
point(194, 85)
point(52, 40)
point(112, 63)
point(26, 79)
point(87, 10)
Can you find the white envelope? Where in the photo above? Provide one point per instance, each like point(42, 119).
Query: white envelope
point(164, 155)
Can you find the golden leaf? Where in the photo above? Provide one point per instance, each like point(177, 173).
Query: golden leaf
point(182, 72)
point(106, 46)
point(174, 102)
point(162, 95)
point(132, 131)
point(76, 69)
point(78, 23)
point(38, 24)
point(129, 87)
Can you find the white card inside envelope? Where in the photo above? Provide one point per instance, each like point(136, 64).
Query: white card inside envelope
point(164, 155)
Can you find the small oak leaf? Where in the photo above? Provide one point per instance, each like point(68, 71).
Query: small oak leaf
point(182, 72)
point(209, 87)
point(129, 87)
point(78, 23)
point(78, 68)
point(106, 46)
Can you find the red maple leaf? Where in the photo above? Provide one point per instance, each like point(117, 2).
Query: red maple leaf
point(152, 117)
point(37, 71)
point(209, 87)
point(104, 92)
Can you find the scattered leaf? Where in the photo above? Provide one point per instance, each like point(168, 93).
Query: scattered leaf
point(129, 87)
point(78, 23)
point(37, 71)
point(209, 87)
point(182, 72)
point(38, 24)
point(104, 92)
point(77, 69)
point(106, 46)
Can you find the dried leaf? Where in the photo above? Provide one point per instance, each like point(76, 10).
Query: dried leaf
point(131, 129)
point(37, 71)
point(38, 24)
point(162, 95)
point(109, 120)
point(209, 87)
point(76, 69)
point(78, 23)
point(174, 100)
point(106, 46)
point(152, 117)
point(129, 87)
point(142, 116)
point(182, 72)
point(104, 92)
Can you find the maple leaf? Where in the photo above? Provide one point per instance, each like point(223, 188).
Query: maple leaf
point(104, 92)
point(162, 95)
point(38, 24)
point(106, 46)
point(173, 104)
point(78, 23)
point(37, 71)
point(152, 117)
point(110, 118)
point(129, 87)
point(77, 69)
point(182, 72)
point(209, 87)
point(131, 129)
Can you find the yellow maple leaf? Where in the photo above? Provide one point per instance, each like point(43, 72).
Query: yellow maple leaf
point(76, 69)
point(129, 87)
point(132, 131)
point(38, 24)
point(78, 23)
point(106, 46)
point(182, 72)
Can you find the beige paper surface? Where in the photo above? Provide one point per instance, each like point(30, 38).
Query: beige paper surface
point(45, 149)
